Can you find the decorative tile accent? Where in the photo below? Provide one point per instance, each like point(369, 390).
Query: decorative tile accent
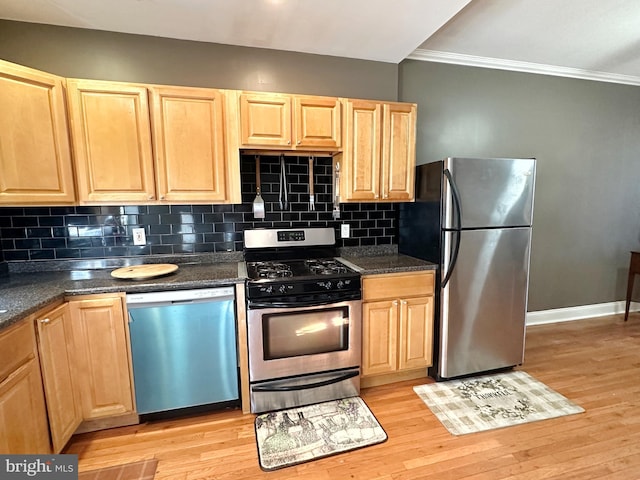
point(53, 233)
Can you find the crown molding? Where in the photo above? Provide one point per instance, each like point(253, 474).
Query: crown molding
point(516, 66)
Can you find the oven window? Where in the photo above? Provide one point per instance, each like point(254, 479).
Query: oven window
point(305, 333)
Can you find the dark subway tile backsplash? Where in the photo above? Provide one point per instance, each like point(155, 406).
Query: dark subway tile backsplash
point(54, 233)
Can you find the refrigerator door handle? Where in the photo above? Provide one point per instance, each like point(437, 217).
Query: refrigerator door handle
point(454, 247)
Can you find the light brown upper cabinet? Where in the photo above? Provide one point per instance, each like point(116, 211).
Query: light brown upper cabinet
point(318, 122)
point(174, 150)
point(111, 136)
point(379, 156)
point(290, 122)
point(190, 145)
point(35, 160)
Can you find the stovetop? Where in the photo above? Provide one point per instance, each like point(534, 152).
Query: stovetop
point(290, 269)
point(296, 266)
point(306, 280)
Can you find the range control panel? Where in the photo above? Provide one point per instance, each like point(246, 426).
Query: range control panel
point(291, 236)
point(262, 238)
point(269, 289)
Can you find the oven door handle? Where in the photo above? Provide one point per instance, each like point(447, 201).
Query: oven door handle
point(291, 388)
point(299, 304)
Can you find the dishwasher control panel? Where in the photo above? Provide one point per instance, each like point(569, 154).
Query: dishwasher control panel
point(176, 296)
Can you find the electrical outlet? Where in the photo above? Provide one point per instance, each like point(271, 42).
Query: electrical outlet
point(344, 230)
point(139, 237)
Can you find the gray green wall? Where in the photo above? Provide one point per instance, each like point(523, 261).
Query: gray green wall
point(586, 137)
point(80, 53)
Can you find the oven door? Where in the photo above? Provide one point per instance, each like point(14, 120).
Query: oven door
point(292, 341)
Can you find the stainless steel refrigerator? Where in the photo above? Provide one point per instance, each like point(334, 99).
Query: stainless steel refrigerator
point(473, 217)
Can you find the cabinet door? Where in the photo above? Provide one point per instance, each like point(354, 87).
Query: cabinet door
point(416, 333)
point(111, 134)
point(23, 416)
point(265, 120)
point(380, 337)
point(104, 379)
point(318, 122)
point(398, 151)
point(188, 127)
point(360, 177)
point(35, 160)
point(55, 343)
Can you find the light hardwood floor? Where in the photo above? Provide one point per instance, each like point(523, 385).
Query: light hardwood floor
point(595, 363)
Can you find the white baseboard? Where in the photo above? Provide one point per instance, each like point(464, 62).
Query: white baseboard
point(577, 313)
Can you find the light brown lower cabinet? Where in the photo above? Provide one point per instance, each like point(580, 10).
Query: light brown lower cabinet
point(23, 415)
point(74, 376)
point(104, 379)
point(397, 315)
point(57, 362)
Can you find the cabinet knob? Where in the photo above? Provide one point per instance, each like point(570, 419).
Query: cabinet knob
point(404, 302)
point(150, 197)
point(288, 142)
point(161, 197)
point(376, 196)
point(395, 302)
point(299, 142)
point(45, 320)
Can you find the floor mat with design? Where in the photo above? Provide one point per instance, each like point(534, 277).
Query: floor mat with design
point(297, 435)
point(493, 401)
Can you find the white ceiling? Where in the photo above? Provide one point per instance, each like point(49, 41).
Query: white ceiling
point(578, 38)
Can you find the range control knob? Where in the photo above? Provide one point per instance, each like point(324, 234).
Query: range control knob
point(340, 284)
point(282, 288)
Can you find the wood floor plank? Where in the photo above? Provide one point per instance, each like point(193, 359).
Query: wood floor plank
point(593, 362)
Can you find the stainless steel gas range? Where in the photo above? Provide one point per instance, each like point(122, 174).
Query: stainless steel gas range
point(304, 319)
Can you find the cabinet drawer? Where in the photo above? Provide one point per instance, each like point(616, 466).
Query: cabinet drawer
point(16, 347)
point(397, 285)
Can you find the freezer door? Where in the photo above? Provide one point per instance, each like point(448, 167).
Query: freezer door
point(494, 192)
point(485, 302)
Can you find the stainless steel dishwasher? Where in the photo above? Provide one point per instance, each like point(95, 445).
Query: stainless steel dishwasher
point(183, 346)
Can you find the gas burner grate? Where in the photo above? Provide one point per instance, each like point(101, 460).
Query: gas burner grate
point(273, 270)
point(326, 267)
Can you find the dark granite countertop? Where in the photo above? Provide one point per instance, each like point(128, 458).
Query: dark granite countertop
point(387, 263)
point(22, 294)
